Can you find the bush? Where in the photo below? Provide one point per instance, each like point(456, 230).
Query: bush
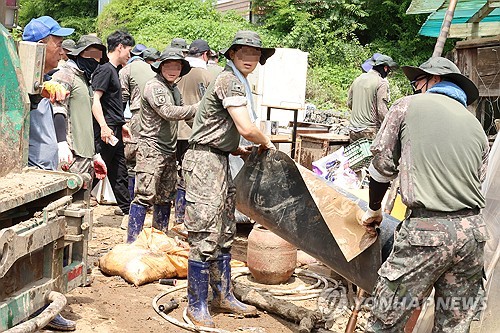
point(156, 22)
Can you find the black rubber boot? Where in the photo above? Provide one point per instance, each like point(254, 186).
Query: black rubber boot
point(197, 309)
point(220, 281)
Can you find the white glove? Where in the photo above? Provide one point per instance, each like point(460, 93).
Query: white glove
point(371, 220)
point(64, 153)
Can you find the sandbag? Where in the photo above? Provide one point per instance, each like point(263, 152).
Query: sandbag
point(151, 257)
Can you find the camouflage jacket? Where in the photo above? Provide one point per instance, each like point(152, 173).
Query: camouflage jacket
point(161, 108)
point(438, 148)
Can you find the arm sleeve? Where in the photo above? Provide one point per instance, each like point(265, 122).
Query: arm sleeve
point(231, 93)
point(382, 101)
point(162, 103)
point(349, 98)
point(484, 164)
point(101, 78)
point(386, 147)
point(125, 84)
point(377, 192)
point(60, 127)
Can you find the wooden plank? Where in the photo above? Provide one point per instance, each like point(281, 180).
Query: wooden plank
point(478, 42)
point(481, 14)
point(464, 30)
point(488, 60)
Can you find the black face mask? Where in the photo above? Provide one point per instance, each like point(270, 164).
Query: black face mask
point(87, 65)
point(414, 84)
point(383, 73)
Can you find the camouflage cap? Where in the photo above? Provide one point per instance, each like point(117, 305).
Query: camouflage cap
point(86, 41)
point(179, 43)
point(171, 53)
point(68, 44)
point(150, 54)
point(250, 38)
point(448, 71)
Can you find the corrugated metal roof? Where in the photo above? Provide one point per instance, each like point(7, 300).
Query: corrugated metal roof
point(464, 11)
point(424, 6)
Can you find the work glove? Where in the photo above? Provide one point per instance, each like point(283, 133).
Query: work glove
point(99, 166)
point(64, 153)
point(54, 91)
point(371, 220)
point(268, 146)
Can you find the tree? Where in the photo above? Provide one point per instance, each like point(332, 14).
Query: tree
point(78, 14)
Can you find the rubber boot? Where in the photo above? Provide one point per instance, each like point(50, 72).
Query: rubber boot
point(197, 309)
point(59, 323)
point(161, 215)
point(137, 215)
point(220, 281)
point(180, 206)
point(131, 186)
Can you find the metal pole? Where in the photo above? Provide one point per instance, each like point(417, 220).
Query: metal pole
point(445, 29)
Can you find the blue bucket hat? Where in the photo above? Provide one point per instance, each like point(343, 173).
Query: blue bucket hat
point(39, 28)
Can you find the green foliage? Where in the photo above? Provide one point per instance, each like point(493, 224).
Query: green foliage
point(157, 22)
point(78, 14)
point(325, 29)
point(339, 35)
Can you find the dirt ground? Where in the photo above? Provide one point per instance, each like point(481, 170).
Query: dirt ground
point(110, 304)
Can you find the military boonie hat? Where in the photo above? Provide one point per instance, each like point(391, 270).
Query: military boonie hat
point(171, 53)
point(179, 43)
point(87, 41)
point(448, 71)
point(249, 38)
point(150, 54)
point(384, 60)
point(68, 44)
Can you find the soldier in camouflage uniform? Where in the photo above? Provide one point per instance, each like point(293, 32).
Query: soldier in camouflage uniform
point(440, 245)
point(73, 116)
point(133, 78)
point(210, 192)
point(156, 172)
point(368, 98)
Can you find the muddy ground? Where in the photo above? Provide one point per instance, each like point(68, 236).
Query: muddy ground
point(110, 304)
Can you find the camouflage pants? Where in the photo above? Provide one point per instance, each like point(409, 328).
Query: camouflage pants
point(131, 144)
point(210, 196)
point(155, 178)
point(368, 133)
point(444, 251)
point(130, 155)
point(81, 165)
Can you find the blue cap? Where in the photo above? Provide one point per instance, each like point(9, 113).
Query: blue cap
point(39, 28)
